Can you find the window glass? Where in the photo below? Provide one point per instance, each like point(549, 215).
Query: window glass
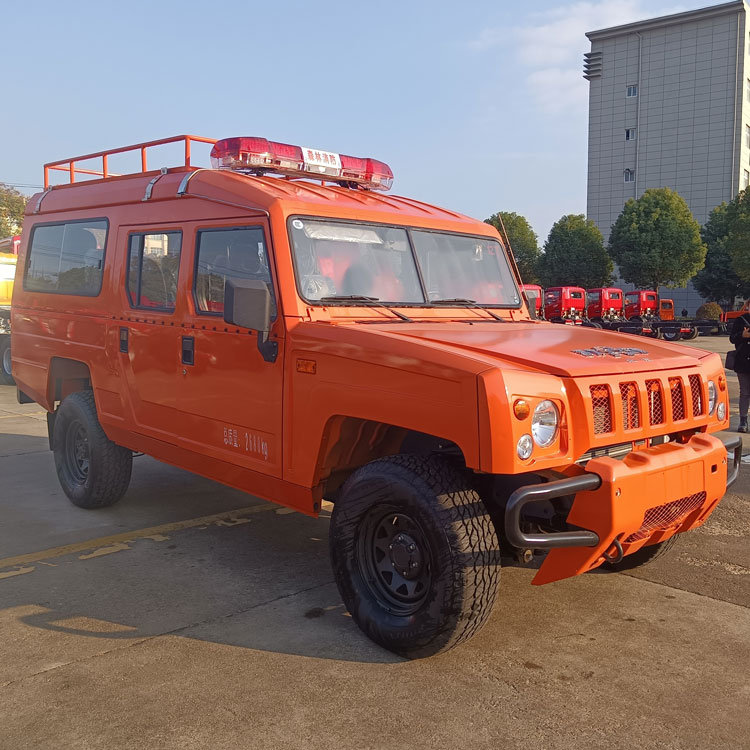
point(338, 260)
point(651, 297)
point(551, 297)
point(153, 267)
point(67, 258)
point(595, 296)
point(615, 295)
point(576, 295)
point(461, 267)
point(237, 253)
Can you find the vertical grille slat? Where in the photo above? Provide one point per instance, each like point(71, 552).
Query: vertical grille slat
point(655, 402)
point(696, 392)
point(601, 403)
point(678, 399)
point(631, 417)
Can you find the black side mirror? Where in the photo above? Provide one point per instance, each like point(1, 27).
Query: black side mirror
point(530, 305)
point(247, 303)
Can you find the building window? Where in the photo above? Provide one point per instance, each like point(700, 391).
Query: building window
point(747, 90)
point(629, 175)
point(633, 90)
point(745, 179)
point(629, 134)
point(747, 136)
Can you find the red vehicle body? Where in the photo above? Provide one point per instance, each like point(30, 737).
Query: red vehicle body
point(565, 304)
point(534, 294)
point(605, 303)
point(641, 304)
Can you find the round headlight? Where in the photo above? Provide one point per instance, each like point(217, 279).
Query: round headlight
point(544, 424)
point(711, 396)
point(721, 411)
point(524, 447)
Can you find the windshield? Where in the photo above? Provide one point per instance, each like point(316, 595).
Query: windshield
point(398, 265)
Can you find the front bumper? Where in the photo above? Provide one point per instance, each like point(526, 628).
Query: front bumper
point(646, 498)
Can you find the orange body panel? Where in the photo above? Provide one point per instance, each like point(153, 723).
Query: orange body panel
point(348, 381)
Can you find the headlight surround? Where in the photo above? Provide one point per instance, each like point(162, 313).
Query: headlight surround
point(545, 423)
point(711, 396)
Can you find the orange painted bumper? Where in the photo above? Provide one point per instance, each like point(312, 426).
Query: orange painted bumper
point(644, 499)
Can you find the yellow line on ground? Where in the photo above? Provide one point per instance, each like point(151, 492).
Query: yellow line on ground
point(129, 536)
point(16, 416)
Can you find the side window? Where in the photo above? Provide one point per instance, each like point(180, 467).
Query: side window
point(221, 254)
point(67, 258)
point(153, 266)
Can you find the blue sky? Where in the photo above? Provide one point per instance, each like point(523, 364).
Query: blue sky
point(477, 106)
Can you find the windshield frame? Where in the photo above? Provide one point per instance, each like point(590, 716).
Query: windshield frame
point(408, 229)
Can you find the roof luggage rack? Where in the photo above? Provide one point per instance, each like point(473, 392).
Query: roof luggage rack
point(69, 165)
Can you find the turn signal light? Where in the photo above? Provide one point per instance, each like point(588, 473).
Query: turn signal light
point(521, 409)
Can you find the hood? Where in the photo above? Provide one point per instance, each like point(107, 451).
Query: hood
point(572, 351)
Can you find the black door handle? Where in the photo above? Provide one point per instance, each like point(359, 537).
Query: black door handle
point(188, 350)
point(124, 340)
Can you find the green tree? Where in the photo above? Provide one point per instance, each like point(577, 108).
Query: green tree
point(656, 241)
point(12, 205)
point(574, 255)
point(738, 234)
point(717, 280)
point(523, 242)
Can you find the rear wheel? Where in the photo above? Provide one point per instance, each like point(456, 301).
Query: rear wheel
point(415, 554)
point(93, 471)
point(692, 335)
point(643, 556)
point(672, 335)
point(6, 378)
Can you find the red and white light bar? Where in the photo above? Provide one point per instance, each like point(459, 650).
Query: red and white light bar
point(258, 154)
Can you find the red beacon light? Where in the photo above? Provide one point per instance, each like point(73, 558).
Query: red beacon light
point(260, 156)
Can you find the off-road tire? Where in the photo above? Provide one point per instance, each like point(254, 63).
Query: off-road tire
point(459, 548)
point(643, 556)
point(5, 376)
point(93, 471)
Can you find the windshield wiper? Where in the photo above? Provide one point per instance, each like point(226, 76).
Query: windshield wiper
point(461, 302)
point(370, 301)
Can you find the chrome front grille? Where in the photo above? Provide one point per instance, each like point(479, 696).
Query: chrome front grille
point(601, 402)
point(631, 417)
point(653, 402)
point(678, 399)
point(696, 392)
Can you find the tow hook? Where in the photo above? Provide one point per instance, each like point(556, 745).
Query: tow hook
point(617, 557)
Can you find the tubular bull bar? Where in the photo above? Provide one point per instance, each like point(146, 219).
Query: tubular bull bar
point(614, 500)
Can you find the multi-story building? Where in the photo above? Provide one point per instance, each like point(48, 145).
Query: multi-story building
point(669, 106)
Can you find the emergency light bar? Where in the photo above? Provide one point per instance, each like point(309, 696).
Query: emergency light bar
point(249, 154)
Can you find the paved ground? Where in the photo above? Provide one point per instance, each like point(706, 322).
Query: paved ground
point(193, 616)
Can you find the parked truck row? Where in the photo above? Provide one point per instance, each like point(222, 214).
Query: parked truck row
point(640, 312)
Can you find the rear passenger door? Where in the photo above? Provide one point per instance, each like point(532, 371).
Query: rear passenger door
point(148, 339)
point(229, 388)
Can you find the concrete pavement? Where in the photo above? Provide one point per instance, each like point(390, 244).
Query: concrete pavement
point(194, 616)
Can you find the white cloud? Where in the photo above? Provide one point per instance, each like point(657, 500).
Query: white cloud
point(551, 46)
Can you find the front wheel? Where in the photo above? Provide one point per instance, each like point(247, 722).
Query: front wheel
point(6, 378)
point(415, 554)
point(93, 471)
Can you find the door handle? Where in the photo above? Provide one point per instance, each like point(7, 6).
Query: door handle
point(188, 350)
point(124, 340)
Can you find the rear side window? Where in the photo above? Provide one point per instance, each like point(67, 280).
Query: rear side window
point(576, 295)
point(67, 258)
point(237, 253)
point(153, 267)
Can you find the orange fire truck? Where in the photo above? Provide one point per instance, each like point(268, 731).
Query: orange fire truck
point(281, 324)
